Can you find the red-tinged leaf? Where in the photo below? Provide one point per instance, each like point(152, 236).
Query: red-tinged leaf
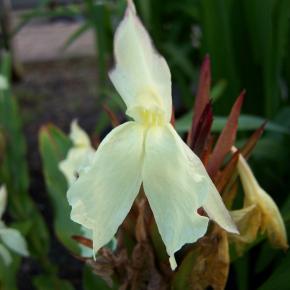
point(247, 149)
point(201, 135)
point(202, 96)
point(227, 173)
point(226, 139)
point(114, 119)
point(96, 140)
point(172, 120)
point(83, 241)
point(207, 150)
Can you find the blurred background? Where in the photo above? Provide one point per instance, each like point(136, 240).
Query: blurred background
point(61, 52)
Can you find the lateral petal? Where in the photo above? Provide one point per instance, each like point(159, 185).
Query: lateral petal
point(212, 202)
point(216, 210)
point(141, 76)
point(103, 195)
point(175, 189)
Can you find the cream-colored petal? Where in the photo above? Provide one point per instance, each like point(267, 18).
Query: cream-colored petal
point(78, 135)
point(175, 189)
point(216, 210)
point(3, 199)
point(103, 195)
point(14, 241)
point(212, 203)
point(141, 75)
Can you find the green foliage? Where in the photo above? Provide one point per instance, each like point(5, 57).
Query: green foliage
point(14, 174)
point(45, 282)
point(53, 148)
point(91, 281)
point(21, 208)
point(246, 123)
point(8, 274)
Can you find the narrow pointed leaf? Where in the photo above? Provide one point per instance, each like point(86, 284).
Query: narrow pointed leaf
point(112, 116)
point(247, 149)
point(226, 138)
point(227, 173)
point(202, 97)
point(202, 131)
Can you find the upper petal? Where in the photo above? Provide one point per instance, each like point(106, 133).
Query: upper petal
point(175, 188)
point(141, 75)
point(103, 195)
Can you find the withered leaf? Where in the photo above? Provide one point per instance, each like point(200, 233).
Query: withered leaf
point(212, 264)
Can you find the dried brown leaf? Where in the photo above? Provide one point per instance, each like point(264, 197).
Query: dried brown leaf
point(141, 231)
point(145, 275)
point(211, 268)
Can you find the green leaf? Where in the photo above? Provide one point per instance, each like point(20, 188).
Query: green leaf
point(53, 148)
point(8, 274)
point(92, 282)
point(43, 282)
point(182, 276)
point(76, 34)
point(280, 278)
point(14, 170)
point(215, 21)
point(246, 123)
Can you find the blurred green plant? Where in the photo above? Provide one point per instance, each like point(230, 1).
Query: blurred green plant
point(14, 174)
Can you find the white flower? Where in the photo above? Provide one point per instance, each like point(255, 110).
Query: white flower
point(145, 151)
point(3, 83)
point(79, 156)
point(9, 238)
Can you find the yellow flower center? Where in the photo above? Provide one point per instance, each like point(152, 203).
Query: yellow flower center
point(151, 118)
point(147, 116)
